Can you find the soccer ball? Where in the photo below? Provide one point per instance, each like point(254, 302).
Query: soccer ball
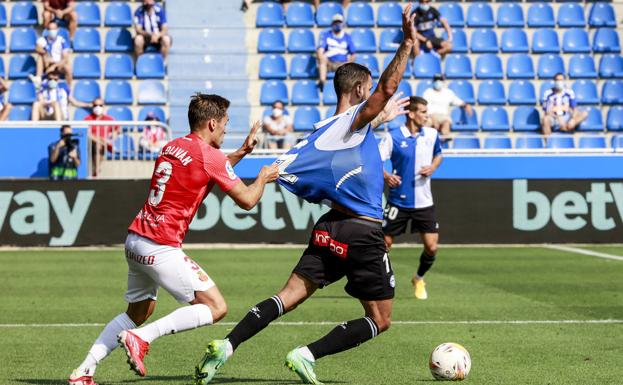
point(450, 362)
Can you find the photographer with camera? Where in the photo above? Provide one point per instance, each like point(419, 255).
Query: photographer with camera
point(64, 156)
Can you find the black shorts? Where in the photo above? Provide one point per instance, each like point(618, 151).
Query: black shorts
point(436, 42)
point(341, 245)
point(396, 219)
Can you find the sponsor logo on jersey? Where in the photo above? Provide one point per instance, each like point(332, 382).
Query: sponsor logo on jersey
point(230, 171)
point(403, 144)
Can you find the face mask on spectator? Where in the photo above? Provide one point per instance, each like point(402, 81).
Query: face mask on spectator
point(52, 84)
point(98, 110)
point(277, 112)
point(559, 84)
point(437, 85)
point(424, 7)
point(53, 33)
point(337, 27)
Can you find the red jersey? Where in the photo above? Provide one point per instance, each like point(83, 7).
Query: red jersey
point(102, 131)
point(184, 174)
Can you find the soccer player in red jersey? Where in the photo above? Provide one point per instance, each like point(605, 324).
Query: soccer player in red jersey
point(184, 174)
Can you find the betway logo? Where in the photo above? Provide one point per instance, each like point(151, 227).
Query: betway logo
point(569, 210)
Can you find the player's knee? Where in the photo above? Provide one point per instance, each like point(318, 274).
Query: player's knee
point(382, 322)
point(219, 310)
point(431, 249)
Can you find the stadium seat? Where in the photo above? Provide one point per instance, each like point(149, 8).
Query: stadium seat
point(491, 92)
point(521, 92)
point(519, 66)
point(87, 40)
point(525, 142)
point(370, 62)
point(22, 92)
point(484, 40)
point(20, 113)
point(22, 65)
point(154, 110)
point(2, 42)
point(390, 15)
point(464, 90)
point(305, 117)
point(458, 67)
point(119, 66)
point(325, 13)
point(390, 39)
point(302, 66)
point(510, 15)
point(87, 66)
point(2, 69)
point(515, 41)
point(582, 66)
point(150, 66)
point(118, 14)
point(118, 92)
point(526, 119)
point(575, 41)
point(305, 92)
point(123, 148)
point(464, 142)
point(120, 113)
point(617, 142)
point(612, 92)
point(301, 41)
point(606, 40)
point(274, 90)
point(585, 92)
point(602, 15)
point(545, 41)
point(550, 65)
point(489, 66)
point(329, 98)
point(480, 15)
point(273, 67)
point(422, 86)
point(23, 40)
point(426, 65)
point(571, 15)
point(86, 90)
point(269, 15)
point(23, 13)
point(494, 119)
point(594, 121)
point(363, 40)
point(119, 40)
point(540, 15)
point(3, 19)
point(300, 14)
point(459, 40)
point(88, 14)
point(498, 142)
point(149, 92)
point(611, 66)
point(462, 121)
point(453, 13)
point(360, 15)
point(592, 141)
point(614, 120)
point(81, 113)
point(405, 88)
point(560, 141)
point(271, 41)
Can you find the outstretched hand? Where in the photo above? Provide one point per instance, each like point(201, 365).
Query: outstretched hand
point(250, 142)
point(395, 107)
point(408, 26)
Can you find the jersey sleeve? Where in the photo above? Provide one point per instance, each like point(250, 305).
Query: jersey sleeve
point(322, 41)
point(436, 13)
point(386, 147)
point(572, 100)
point(41, 42)
point(437, 146)
point(220, 171)
point(456, 101)
point(65, 45)
point(138, 19)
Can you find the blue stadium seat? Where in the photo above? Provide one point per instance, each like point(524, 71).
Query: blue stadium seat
point(305, 92)
point(274, 67)
point(405, 88)
point(301, 41)
point(390, 15)
point(602, 15)
point(458, 67)
point(123, 148)
point(491, 92)
point(515, 41)
point(87, 40)
point(269, 15)
point(20, 113)
point(495, 119)
point(325, 13)
point(21, 66)
point(453, 13)
point(120, 113)
point(274, 90)
point(23, 39)
point(360, 15)
point(540, 15)
point(459, 40)
point(617, 142)
point(489, 66)
point(81, 112)
point(480, 15)
point(521, 92)
point(87, 66)
point(305, 117)
point(2, 69)
point(300, 15)
point(118, 92)
point(612, 92)
point(575, 41)
point(606, 40)
point(119, 66)
point(571, 15)
point(484, 40)
point(582, 66)
point(560, 141)
point(464, 90)
point(594, 121)
point(526, 119)
point(545, 41)
point(155, 110)
point(363, 40)
point(592, 141)
point(526, 142)
point(88, 14)
point(614, 120)
point(519, 66)
point(150, 92)
point(390, 39)
point(510, 15)
point(86, 90)
point(2, 42)
point(271, 41)
point(422, 86)
point(465, 142)
point(329, 98)
point(497, 142)
point(302, 66)
point(611, 66)
point(585, 92)
point(370, 62)
point(118, 14)
point(3, 19)
point(23, 13)
point(119, 40)
point(426, 65)
point(22, 92)
point(549, 65)
point(462, 121)
point(150, 66)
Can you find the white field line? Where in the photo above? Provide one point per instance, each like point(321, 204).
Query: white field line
point(585, 252)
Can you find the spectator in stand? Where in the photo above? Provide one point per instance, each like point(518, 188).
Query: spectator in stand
point(279, 128)
point(426, 20)
point(53, 53)
point(440, 98)
point(5, 106)
point(53, 100)
point(101, 136)
point(560, 110)
point(60, 10)
point(154, 136)
point(150, 21)
point(335, 47)
point(64, 156)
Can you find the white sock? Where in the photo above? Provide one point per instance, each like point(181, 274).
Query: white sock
point(185, 318)
point(105, 343)
point(229, 349)
point(307, 354)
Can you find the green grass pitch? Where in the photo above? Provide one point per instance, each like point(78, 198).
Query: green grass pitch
point(466, 284)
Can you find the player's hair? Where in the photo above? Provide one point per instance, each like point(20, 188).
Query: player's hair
point(559, 74)
point(64, 126)
point(348, 75)
point(414, 101)
point(204, 107)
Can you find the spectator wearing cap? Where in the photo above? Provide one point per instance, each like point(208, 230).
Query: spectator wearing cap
point(53, 53)
point(279, 127)
point(559, 105)
point(440, 98)
point(426, 19)
point(154, 136)
point(53, 100)
point(60, 10)
point(335, 47)
point(150, 22)
point(101, 135)
point(5, 106)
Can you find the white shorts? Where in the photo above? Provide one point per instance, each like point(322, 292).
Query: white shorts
point(151, 265)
